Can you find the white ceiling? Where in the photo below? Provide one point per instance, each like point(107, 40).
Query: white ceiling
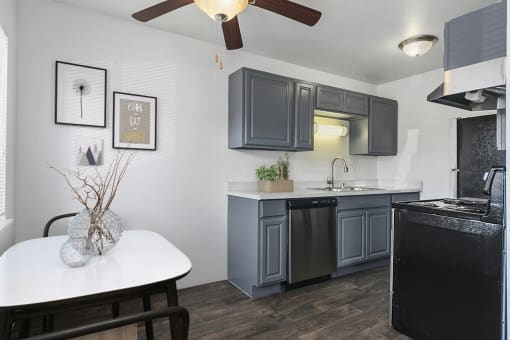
point(354, 38)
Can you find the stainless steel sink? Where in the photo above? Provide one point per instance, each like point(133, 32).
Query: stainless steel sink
point(345, 189)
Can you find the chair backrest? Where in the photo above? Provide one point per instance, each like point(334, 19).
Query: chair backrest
point(53, 220)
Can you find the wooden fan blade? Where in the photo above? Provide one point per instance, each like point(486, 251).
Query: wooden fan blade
point(232, 34)
point(160, 9)
point(291, 10)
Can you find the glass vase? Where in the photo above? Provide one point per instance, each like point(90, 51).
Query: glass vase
point(76, 252)
point(103, 228)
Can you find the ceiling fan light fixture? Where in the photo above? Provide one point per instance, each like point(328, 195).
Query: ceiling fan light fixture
point(417, 46)
point(222, 10)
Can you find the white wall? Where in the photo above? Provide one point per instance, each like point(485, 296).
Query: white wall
point(8, 22)
point(178, 191)
point(423, 134)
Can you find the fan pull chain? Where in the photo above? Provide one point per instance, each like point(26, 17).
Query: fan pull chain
point(217, 58)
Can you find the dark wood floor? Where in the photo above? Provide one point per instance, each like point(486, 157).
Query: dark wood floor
point(352, 307)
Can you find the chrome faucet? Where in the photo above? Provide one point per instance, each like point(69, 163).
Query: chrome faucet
point(346, 169)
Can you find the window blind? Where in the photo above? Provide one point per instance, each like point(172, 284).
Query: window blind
point(3, 117)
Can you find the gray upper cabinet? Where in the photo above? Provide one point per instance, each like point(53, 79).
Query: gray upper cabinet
point(266, 112)
point(268, 104)
point(330, 99)
point(376, 135)
point(378, 233)
point(351, 236)
point(383, 126)
point(356, 103)
point(273, 250)
point(476, 36)
point(304, 101)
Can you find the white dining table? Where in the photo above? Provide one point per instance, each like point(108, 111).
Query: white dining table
point(34, 281)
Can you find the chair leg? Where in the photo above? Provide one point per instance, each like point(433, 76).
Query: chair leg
point(45, 324)
point(149, 330)
point(5, 326)
point(115, 309)
point(172, 300)
point(49, 323)
point(24, 328)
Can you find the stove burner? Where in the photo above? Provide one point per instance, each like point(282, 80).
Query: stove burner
point(454, 204)
point(427, 204)
point(466, 208)
point(464, 202)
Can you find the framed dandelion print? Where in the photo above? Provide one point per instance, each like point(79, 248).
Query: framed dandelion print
point(134, 121)
point(80, 95)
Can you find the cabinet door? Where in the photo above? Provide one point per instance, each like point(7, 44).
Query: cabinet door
point(378, 232)
point(356, 103)
point(269, 118)
point(272, 250)
point(304, 101)
point(330, 99)
point(351, 236)
point(383, 126)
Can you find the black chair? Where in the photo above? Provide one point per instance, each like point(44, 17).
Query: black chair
point(48, 321)
point(178, 314)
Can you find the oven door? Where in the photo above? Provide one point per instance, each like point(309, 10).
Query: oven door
point(447, 277)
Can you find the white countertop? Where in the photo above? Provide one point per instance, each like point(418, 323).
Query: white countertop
point(32, 272)
point(301, 189)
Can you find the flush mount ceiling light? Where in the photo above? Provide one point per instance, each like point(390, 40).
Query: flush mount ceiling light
point(417, 46)
point(222, 10)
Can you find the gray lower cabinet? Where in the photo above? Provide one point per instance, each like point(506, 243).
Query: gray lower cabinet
point(363, 235)
point(378, 233)
point(364, 228)
point(351, 234)
point(273, 250)
point(268, 111)
point(376, 135)
point(257, 245)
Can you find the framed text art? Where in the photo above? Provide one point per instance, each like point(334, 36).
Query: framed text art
point(134, 121)
point(80, 95)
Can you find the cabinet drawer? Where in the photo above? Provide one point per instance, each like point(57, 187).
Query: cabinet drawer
point(363, 202)
point(411, 196)
point(272, 208)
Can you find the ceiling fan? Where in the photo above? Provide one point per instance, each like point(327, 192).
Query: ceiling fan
point(225, 11)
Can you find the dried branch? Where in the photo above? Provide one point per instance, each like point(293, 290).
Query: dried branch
point(75, 191)
point(97, 188)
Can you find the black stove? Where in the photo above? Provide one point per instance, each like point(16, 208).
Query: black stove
point(447, 265)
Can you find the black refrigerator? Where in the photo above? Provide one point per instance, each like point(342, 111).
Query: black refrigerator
point(477, 152)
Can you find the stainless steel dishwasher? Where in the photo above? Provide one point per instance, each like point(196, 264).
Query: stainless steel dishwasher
point(312, 238)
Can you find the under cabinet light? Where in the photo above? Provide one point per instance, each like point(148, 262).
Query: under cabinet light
point(330, 130)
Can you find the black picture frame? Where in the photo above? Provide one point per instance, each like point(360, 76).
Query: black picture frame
point(114, 121)
point(59, 122)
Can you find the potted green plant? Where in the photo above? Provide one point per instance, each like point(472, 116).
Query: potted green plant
point(275, 178)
